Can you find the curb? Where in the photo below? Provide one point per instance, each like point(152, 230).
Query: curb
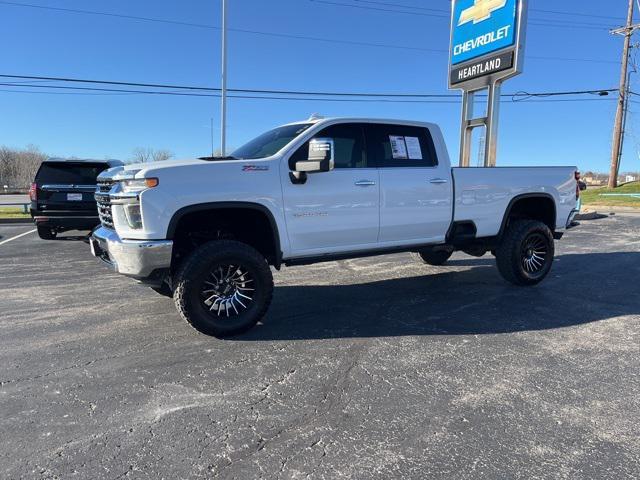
point(13, 221)
point(609, 209)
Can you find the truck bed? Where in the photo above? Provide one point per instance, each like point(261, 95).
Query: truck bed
point(482, 195)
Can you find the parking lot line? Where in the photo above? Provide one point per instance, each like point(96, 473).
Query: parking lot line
point(17, 236)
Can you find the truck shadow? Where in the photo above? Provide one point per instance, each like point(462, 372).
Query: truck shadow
point(582, 288)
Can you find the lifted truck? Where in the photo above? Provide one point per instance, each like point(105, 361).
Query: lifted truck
point(207, 232)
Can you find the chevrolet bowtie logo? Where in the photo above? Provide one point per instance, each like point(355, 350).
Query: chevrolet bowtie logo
point(481, 10)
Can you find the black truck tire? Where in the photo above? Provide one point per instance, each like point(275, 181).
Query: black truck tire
point(223, 288)
point(525, 254)
point(433, 257)
point(46, 233)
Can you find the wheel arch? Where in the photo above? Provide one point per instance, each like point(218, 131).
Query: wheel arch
point(182, 213)
point(524, 206)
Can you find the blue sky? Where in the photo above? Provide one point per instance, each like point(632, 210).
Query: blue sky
point(53, 43)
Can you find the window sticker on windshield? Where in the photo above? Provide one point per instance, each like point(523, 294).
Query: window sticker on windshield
point(398, 147)
point(413, 148)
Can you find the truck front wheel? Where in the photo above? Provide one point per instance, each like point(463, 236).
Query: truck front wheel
point(525, 255)
point(223, 288)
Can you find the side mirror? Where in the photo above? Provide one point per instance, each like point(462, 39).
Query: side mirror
point(320, 157)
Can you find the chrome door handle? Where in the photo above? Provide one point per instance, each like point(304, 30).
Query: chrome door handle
point(438, 181)
point(365, 183)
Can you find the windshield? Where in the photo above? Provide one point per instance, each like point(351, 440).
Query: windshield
point(271, 142)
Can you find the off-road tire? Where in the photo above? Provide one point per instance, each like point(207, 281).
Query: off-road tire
point(511, 254)
point(196, 269)
point(46, 233)
point(433, 257)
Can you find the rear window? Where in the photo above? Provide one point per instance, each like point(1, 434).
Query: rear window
point(400, 146)
point(69, 173)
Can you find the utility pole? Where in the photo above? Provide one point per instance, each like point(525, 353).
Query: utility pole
point(223, 126)
point(616, 150)
point(624, 121)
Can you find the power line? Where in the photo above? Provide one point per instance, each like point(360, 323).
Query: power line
point(107, 14)
point(270, 92)
point(274, 34)
point(536, 22)
point(577, 14)
point(285, 98)
point(555, 12)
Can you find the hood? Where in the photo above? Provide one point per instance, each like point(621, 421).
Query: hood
point(140, 170)
point(163, 164)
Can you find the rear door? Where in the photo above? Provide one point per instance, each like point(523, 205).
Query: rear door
point(337, 210)
point(68, 186)
point(416, 191)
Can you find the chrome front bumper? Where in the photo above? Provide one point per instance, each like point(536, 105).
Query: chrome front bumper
point(139, 259)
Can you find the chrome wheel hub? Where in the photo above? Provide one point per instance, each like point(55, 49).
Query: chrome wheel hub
point(228, 290)
point(534, 254)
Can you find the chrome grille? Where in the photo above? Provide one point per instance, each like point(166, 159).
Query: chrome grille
point(104, 203)
point(104, 186)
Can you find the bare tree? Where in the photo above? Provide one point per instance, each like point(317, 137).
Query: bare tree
point(160, 155)
point(142, 155)
point(18, 167)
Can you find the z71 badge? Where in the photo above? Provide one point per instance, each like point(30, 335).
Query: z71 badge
point(255, 168)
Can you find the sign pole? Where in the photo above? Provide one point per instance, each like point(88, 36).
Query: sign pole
point(487, 48)
point(223, 107)
point(468, 99)
point(493, 118)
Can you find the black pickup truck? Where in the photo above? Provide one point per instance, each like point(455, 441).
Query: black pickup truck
point(62, 195)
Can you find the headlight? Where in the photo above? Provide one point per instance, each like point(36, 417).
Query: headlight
point(138, 185)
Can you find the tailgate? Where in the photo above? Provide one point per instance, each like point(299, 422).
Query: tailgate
point(66, 197)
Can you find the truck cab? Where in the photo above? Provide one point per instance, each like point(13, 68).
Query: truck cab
point(206, 232)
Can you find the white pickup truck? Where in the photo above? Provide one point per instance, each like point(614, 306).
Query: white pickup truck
point(206, 231)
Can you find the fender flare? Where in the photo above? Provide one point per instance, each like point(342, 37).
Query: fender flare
point(517, 198)
point(201, 207)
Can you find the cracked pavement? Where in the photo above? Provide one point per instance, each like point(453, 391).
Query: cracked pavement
point(369, 368)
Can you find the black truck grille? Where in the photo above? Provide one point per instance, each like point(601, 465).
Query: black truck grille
point(104, 203)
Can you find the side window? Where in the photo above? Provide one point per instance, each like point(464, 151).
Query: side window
point(400, 146)
point(348, 142)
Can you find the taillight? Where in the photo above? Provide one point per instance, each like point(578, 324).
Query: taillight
point(577, 185)
point(33, 192)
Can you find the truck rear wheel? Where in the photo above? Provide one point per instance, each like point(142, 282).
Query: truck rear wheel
point(434, 257)
point(223, 288)
point(525, 255)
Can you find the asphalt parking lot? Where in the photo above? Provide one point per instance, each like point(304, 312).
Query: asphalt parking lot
point(370, 368)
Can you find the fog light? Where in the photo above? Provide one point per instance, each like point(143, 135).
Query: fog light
point(133, 216)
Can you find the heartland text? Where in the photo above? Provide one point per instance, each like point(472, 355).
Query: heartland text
point(480, 69)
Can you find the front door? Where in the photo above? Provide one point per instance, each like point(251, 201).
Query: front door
point(337, 210)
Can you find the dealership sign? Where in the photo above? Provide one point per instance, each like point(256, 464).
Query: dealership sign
point(487, 42)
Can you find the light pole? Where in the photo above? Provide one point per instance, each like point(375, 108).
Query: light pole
point(223, 139)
